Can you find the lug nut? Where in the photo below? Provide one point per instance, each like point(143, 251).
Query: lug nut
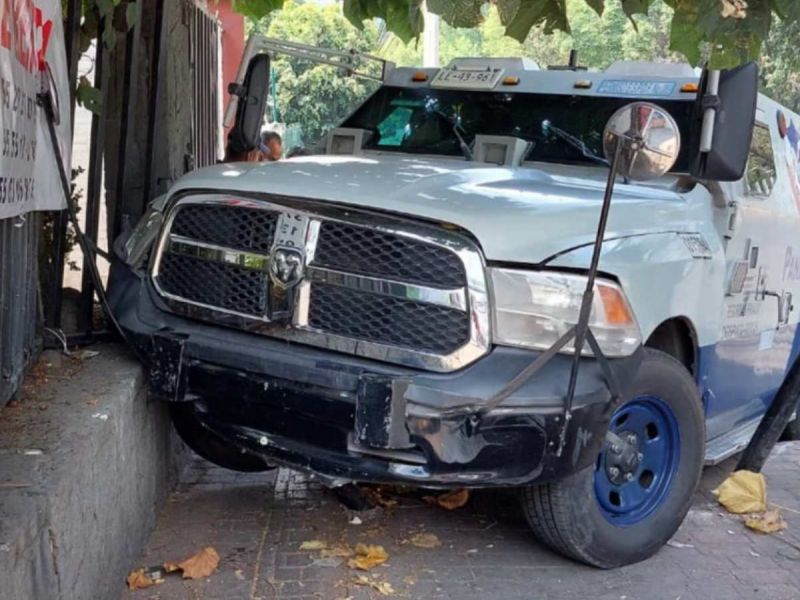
point(616, 449)
point(631, 439)
point(640, 456)
point(613, 471)
point(628, 476)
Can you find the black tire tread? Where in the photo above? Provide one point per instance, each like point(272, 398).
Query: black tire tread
point(546, 514)
point(546, 508)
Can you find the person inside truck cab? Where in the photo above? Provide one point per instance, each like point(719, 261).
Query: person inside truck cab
point(271, 146)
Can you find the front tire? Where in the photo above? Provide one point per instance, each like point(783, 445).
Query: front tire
point(619, 512)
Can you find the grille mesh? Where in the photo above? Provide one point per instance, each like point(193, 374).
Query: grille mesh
point(376, 318)
point(366, 251)
point(216, 284)
point(236, 227)
point(351, 248)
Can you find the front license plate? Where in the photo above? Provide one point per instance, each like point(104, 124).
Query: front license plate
point(467, 79)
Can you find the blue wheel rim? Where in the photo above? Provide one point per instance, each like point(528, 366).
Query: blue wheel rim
point(633, 478)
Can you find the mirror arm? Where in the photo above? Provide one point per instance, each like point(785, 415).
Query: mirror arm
point(582, 331)
point(710, 105)
point(237, 89)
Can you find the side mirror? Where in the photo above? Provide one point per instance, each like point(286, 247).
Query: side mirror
point(252, 102)
point(725, 115)
point(646, 138)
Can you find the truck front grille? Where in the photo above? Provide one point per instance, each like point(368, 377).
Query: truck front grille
point(234, 227)
point(214, 284)
point(356, 249)
point(387, 320)
point(367, 285)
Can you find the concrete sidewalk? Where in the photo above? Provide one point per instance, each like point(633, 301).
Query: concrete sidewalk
point(257, 523)
point(85, 461)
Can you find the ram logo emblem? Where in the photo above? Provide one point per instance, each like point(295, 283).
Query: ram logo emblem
point(286, 267)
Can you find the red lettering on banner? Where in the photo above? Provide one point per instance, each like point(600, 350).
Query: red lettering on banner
point(24, 31)
point(5, 32)
point(46, 29)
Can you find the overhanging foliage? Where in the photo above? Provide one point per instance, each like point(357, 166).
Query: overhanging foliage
point(729, 32)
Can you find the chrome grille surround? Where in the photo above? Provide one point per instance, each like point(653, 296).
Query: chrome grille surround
point(471, 298)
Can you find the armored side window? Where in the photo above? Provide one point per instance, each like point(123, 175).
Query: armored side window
point(761, 172)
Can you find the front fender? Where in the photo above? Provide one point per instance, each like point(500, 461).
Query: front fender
point(662, 279)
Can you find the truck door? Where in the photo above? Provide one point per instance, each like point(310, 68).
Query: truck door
point(742, 372)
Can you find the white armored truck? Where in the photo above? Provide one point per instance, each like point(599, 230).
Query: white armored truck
point(405, 304)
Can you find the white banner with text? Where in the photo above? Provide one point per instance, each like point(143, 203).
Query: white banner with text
point(32, 58)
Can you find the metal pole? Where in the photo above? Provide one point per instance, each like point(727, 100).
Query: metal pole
point(93, 192)
point(710, 115)
point(772, 424)
point(582, 326)
point(72, 24)
point(152, 113)
point(125, 113)
point(430, 39)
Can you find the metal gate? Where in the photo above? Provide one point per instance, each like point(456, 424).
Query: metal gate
point(18, 304)
point(205, 59)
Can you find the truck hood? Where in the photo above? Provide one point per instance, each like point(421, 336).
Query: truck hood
point(521, 215)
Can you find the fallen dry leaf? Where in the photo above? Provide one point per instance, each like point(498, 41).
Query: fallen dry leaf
point(425, 540)
point(768, 522)
point(337, 550)
point(384, 588)
point(170, 567)
point(368, 556)
point(138, 580)
point(450, 500)
point(313, 545)
point(377, 497)
point(733, 9)
point(202, 564)
point(743, 492)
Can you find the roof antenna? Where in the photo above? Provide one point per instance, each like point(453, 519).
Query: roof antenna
point(571, 66)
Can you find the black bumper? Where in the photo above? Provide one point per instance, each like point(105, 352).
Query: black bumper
point(346, 418)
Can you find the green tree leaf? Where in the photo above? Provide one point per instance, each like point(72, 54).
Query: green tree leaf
point(550, 14)
point(256, 9)
point(109, 33)
point(131, 14)
point(730, 40)
point(597, 5)
point(403, 17)
point(636, 7)
point(686, 36)
point(787, 9)
point(458, 13)
point(88, 96)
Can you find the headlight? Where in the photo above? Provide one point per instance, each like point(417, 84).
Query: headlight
point(534, 309)
point(134, 249)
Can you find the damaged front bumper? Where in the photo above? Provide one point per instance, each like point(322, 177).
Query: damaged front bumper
point(350, 419)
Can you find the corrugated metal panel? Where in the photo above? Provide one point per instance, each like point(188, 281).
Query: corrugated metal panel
point(204, 60)
point(18, 306)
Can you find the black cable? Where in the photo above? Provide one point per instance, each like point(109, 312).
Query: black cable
point(45, 100)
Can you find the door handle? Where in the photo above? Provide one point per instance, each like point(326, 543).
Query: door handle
point(785, 306)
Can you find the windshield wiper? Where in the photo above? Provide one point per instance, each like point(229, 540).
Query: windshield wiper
point(453, 122)
point(548, 128)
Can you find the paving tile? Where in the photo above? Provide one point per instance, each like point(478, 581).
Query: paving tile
point(257, 523)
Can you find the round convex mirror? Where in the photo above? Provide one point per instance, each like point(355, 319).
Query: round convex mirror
point(649, 137)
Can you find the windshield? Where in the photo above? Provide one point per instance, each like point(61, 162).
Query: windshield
point(430, 121)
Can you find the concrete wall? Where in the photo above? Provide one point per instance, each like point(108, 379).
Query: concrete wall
point(85, 462)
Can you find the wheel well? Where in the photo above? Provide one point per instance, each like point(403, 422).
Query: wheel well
point(676, 337)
